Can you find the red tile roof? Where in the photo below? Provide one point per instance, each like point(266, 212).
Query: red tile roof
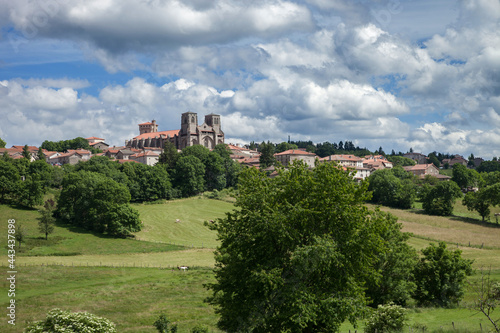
point(93, 138)
point(157, 134)
point(295, 152)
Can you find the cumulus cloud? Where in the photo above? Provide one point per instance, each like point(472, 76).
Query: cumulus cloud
point(137, 25)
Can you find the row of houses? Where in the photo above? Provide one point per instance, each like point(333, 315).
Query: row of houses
point(122, 154)
point(456, 159)
point(361, 166)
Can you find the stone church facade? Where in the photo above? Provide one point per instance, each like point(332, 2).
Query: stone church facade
point(209, 134)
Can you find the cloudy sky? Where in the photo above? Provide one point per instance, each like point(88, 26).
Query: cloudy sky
point(399, 74)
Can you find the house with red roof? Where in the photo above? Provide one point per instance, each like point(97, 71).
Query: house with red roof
point(288, 156)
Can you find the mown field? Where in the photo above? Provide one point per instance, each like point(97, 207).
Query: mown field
point(132, 281)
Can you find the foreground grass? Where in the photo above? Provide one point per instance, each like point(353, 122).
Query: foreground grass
point(132, 298)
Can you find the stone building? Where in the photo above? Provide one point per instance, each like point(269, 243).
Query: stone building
point(209, 134)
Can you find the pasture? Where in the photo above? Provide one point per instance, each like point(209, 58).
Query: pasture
point(132, 281)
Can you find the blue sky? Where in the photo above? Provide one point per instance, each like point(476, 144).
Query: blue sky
point(393, 73)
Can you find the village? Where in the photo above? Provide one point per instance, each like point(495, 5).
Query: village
point(148, 145)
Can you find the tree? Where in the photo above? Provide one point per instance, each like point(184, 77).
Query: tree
point(9, 181)
point(40, 155)
point(59, 321)
point(26, 152)
point(283, 146)
point(47, 220)
point(2, 143)
point(390, 190)
point(482, 200)
point(394, 264)
point(20, 234)
point(266, 154)
point(487, 298)
point(465, 177)
point(432, 158)
point(401, 160)
point(439, 199)
point(31, 191)
point(285, 259)
point(169, 156)
point(440, 276)
point(92, 201)
point(189, 175)
point(147, 183)
point(489, 166)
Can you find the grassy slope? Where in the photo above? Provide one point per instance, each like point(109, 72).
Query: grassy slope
point(134, 297)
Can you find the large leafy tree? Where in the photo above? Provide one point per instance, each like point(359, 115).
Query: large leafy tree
point(2, 143)
point(189, 175)
point(169, 156)
point(266, 154)
point(297, 252)
point(95, 202)
point(146, 182)
point(393, 188)
point(9, 181)
point(439, 199)
point(482, 200)
point(440, 276)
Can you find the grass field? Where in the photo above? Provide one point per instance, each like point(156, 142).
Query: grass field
point(114, 278)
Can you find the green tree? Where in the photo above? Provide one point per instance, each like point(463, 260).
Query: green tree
point(40, 155)
point(482, 200)
point(95, 202)
point(59, 321)
point(2, 143)
point(47, 220)
point(401, 160)
point(169, 156)
point(432, 158)
point(266, 158)
point(439, 199)
point(283, 146)
point(20, 234)
point(465, 177)
point(394, 264)
point(390, 190)
point(285, 259)
point(31, 191)
point(489, 166)
point(440, 276)
point(9, 181)
point(231, 168)
point(147, 183)
point(189, 175)
point(26, 152)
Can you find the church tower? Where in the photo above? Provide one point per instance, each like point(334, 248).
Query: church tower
point(189, 122)
point(213, 120)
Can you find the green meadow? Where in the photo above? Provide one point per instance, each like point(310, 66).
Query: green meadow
point(133, 281)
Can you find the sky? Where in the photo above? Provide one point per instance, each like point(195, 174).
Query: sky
point(396, 74)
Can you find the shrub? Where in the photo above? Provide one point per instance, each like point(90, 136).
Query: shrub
point(58, 320)
point(163, 325)
point(387, 318)
point(440, 276)
point(199, 329)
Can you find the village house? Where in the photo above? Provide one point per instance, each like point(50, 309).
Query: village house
point(422, 170)
point(288, 156)
point(456, 159)
point(146, 157)
point(352, 162)
point(376, 162)
point(417, 157)
point(97, 143)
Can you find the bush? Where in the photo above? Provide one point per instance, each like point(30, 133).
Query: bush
point(163, 325)
point(199, 329)
point(64, 321)
point(440, 276)
point(387, 318)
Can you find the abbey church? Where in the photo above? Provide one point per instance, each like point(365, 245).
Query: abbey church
point(209, 134)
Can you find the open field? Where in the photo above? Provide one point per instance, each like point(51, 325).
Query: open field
point(132, 294)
